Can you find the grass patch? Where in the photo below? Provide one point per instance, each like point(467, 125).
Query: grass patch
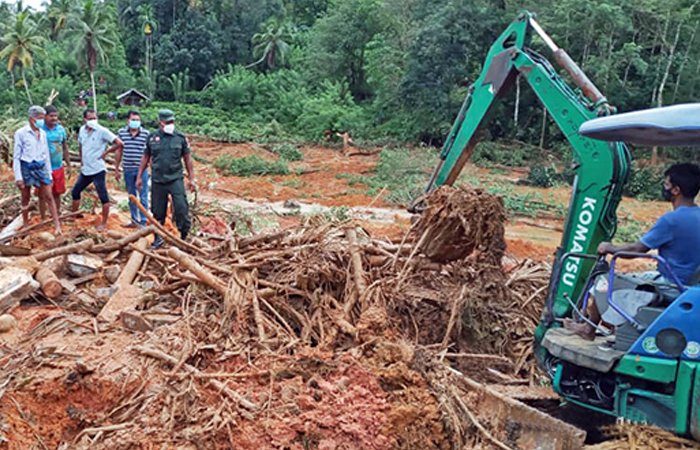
point(401, 171)
point(250, 166)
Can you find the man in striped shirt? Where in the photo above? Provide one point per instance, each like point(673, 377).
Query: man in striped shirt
point(134, 137)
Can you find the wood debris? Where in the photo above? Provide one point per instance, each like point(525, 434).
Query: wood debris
point(316, 337)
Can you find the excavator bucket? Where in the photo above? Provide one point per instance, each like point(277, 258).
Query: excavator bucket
point(518, 425)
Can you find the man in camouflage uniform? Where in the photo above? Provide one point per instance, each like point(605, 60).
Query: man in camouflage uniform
point(166, 149)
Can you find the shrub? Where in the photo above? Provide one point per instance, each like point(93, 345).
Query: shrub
point(645, 182)
point(250, 165)
point(542, 176)
point(288, 152)
point(488, 153)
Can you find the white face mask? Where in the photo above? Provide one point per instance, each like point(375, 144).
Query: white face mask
point(92, 123)
point(169, 128)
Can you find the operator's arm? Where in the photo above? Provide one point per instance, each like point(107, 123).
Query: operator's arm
point(606, 248)
point(659, 235)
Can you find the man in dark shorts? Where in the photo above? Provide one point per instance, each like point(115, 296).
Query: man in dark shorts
point(31, 164)
point(93, 139)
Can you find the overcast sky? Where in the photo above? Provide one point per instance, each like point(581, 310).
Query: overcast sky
point(35, 4)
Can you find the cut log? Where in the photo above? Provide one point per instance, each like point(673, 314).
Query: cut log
point(200, 272)
point(15, 285)
point(50, 285)
point(165, 234)
point(80, 247)
point(124, 241)
point(128, 296)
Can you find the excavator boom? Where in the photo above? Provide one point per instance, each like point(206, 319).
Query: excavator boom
point(601, 168)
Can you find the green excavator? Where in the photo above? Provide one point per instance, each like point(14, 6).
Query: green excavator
point(649, 371)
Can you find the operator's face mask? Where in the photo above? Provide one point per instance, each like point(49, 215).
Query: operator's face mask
point(667, 190)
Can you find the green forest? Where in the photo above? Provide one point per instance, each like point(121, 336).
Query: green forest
point(384, 70)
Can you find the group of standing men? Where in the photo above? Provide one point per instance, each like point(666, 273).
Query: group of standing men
point(41, 160)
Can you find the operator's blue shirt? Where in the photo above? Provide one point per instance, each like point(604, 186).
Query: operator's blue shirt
point(676, 235)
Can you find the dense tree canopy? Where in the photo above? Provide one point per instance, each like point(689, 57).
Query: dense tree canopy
point(384, 69)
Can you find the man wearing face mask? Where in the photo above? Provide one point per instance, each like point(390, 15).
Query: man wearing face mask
point(676, 236)
point(31, 164)
point(93, 139)
point(166, 149)
point(60, 157)
point(134, 137)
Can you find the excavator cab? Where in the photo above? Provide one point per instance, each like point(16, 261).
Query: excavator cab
point(650, 372)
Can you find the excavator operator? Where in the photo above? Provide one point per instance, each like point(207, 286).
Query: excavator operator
point(676, 236)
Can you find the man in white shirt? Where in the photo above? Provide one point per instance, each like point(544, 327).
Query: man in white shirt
point(93, 139)
point(31, 164)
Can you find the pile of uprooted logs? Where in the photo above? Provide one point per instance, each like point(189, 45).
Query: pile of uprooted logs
point(406, 309)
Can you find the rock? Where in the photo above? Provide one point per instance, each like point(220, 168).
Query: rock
point(134, 321)
point(83, 265)
point(15, 284)
point(112, 273)
point(45, 236)
point(7, 323)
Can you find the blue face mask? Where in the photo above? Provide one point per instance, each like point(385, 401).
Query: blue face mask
point(39, 123)
point(134, 124)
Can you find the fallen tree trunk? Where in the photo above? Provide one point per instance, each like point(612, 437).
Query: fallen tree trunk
point(125, 241)
point(80, 247)
point(127, 296)
point(200, 272)
point(165, 234)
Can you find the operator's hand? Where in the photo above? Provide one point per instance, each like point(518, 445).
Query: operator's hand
point(117, 175)
point(69, 172)
point(139, 183)
point(192, 185)
point(606, 248)
point(20, 184)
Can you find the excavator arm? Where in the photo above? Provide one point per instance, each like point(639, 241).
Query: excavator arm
point(601, 168)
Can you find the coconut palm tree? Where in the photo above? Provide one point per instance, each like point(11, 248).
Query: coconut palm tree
point(19, 45)
point(58, 12)
point(147, 18)
point(92, 34)
point(272, 44)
